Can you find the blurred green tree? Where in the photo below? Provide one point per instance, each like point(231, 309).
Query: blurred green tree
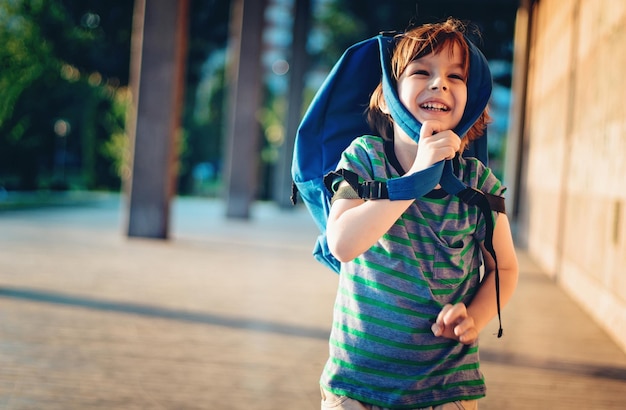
point(205, 97)
point(63, 63)
point(64, 77)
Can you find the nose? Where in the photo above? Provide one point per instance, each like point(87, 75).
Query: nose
point(439, 82)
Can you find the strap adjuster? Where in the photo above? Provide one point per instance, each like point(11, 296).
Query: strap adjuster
point(471, 196)
point(373, 190)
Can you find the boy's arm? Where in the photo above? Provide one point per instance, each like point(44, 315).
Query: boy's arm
point(354, 225)
point(465, 323)
point(483, 307)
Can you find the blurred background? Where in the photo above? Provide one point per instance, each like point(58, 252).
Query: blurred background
point(182, 115)
point(65, 82)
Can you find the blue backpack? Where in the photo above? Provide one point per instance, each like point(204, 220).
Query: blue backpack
point(336, 116)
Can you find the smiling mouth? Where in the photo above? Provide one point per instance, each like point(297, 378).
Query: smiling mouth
point(432, 106)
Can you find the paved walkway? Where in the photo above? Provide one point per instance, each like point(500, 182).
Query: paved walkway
point(233, 315)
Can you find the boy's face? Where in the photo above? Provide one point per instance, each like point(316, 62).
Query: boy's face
point(434, 87)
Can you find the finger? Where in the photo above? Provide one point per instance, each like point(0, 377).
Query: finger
point(450, 142)
point(464, 326)
point(444, 145)
point(429, 128)
point(454, 147)
point(438, 327)
point(455, 315)
point(443, 313)
point(469, 337)
point(466, 331)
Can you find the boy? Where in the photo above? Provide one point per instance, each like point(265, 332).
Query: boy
point(410, 303)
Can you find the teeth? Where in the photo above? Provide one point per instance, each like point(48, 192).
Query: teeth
point(434, 106)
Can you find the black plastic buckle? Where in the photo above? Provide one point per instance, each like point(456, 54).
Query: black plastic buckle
point(373, 190)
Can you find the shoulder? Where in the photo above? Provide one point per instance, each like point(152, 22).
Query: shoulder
point(367, 143)
point(364, 155)
point(479, 176)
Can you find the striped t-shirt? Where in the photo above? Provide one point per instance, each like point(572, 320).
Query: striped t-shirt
point(382, 350)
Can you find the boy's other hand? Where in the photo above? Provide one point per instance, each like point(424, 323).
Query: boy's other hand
point(454, 323)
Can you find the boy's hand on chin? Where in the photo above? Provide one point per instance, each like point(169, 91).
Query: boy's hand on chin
point(435, 145)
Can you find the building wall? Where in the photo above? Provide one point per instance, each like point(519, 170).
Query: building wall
point(572, 200)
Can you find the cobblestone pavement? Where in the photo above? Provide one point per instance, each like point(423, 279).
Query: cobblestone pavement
point(235, 315)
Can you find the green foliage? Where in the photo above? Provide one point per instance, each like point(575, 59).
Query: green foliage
point(205, 129)
point(60, 103)
point(205, 98)
point(118, 148)
point(341, 28)
point(24, 58)
point(67, 62)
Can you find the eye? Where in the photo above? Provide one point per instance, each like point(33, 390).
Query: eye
point(420, 72)
point(457, 77)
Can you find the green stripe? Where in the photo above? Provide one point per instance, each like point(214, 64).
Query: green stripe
point(388, 359)
point(386, 390)
point(466, 250)
point(386, 306)
point(367, 145)
point(416, 219)
point(420, 238)
point(392, 272)
point(391, 375)
point(353, 159)
point(496, 189)
point(461, 216)
point(411, 279)
point(375, 285)
point(436, 201)
point(445, 265)
point(397, 239)
point(467, 231)
point(398, 256)
point(473, 172)
point(483, 177)
point(380, 322)
point(392, 343)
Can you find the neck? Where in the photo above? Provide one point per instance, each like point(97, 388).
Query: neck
point(405, 150)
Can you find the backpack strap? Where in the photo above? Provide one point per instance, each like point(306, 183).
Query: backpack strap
point(496, 203)
point(487, 203)
point(472, 196)
point(411, 186)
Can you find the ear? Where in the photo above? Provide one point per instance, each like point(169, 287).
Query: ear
point(383, 105)
point(380, 100)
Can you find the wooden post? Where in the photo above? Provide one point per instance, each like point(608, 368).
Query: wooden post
point(245, 74)
point(517, 113)
point(299, 62)
point(157, 80)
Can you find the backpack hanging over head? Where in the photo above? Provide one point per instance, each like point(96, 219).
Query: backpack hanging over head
point(336, 116)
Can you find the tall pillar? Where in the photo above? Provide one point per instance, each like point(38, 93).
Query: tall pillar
point(298, 66)
point(517, 113)
point(244, 76)
point(159, 48)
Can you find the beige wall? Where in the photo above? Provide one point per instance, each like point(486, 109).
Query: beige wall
point(572, 200)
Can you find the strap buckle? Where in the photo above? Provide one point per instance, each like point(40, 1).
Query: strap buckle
point(373, 190)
